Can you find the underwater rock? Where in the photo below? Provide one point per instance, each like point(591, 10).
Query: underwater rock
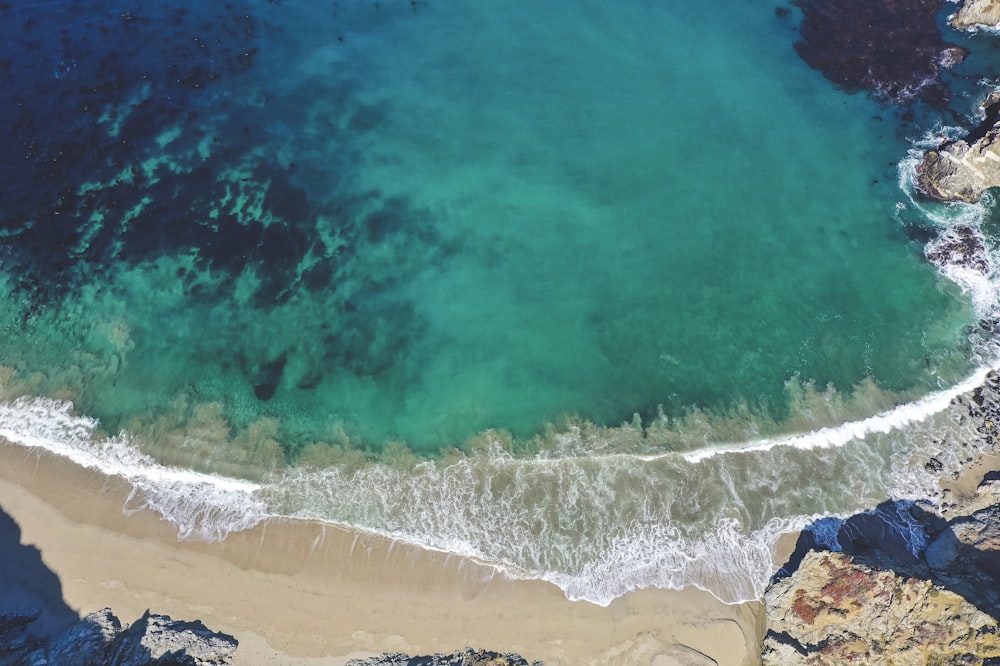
point(976, 14)
point(892, 49)
point(962, 170)
point(833, 610)
point(98, 638)
point(962, 246)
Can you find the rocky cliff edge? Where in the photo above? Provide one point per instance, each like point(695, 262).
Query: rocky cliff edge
point(900, 584)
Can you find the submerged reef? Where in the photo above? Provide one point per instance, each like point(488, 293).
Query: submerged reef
point(892, 49)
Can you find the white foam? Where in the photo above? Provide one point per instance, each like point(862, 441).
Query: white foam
point(448, 509)
point(888, 421)
point(597, 527)
point(730, 564)
point(203, 506)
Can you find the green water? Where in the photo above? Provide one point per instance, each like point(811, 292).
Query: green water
point(569, 210)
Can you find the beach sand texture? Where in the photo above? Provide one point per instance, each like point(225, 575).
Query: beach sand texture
point(303, 592)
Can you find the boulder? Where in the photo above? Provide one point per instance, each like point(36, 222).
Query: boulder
point(83, 643)
point(832, 610)
point(963, 169)
point(960, 245)
point(159, 639)
point(98, 638)
point(960, 171)
point(15, 639)
point(976, 14)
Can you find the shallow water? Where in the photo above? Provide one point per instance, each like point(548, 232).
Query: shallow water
point(567, 240)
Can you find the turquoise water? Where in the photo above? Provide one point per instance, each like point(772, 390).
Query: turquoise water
point(531, 214)
point(292, 234)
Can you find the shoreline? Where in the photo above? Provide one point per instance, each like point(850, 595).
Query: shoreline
point(298, 591)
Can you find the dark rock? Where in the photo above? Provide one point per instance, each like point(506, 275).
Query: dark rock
point(98, 639)
point(266, 377)
point(15, 641)
point(467, 657)
point(962, 246)
point(157, 639)
point(86, 642)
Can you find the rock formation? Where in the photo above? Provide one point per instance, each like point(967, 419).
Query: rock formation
point(976, 14)
point(98, 638)
point(467, 657)
point(962, 170)
point(960, 245)
point(835, 611)
point(898, 584)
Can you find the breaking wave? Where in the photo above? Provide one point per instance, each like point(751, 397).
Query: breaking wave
point(596, 526)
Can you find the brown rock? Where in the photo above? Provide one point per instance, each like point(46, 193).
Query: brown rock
point(962, 170)
point(834, 611)
point(976, 14)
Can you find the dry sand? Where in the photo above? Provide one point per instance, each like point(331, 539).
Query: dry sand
point(300, 592)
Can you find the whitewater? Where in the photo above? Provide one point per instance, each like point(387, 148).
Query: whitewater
point(638, 302)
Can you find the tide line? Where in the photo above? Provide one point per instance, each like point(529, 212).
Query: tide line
point(893, 419)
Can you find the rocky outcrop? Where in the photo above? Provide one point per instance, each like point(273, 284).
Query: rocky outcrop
point(899, 584)
point(965, 556)
point(960, 245)
point(99, 638)
point(835, 611)
point(976, 14)
point(962, 170)
point(467, 657)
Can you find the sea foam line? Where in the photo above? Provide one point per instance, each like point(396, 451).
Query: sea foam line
point(50, 424)
point(884, 422)
point(202, 506)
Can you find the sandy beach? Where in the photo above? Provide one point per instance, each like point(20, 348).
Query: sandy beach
point(300, 592)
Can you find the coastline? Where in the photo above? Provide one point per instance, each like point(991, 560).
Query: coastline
point(297, 591)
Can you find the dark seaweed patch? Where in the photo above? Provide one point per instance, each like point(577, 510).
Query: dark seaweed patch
point(142, 138)
point(84, 119)
point(266, 377)
point(892, 49)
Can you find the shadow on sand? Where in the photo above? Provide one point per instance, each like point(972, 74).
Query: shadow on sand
point(28, 586)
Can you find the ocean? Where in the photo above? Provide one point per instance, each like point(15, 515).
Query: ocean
point(608, 296)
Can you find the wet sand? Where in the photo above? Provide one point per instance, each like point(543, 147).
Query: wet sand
point(300, 592)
